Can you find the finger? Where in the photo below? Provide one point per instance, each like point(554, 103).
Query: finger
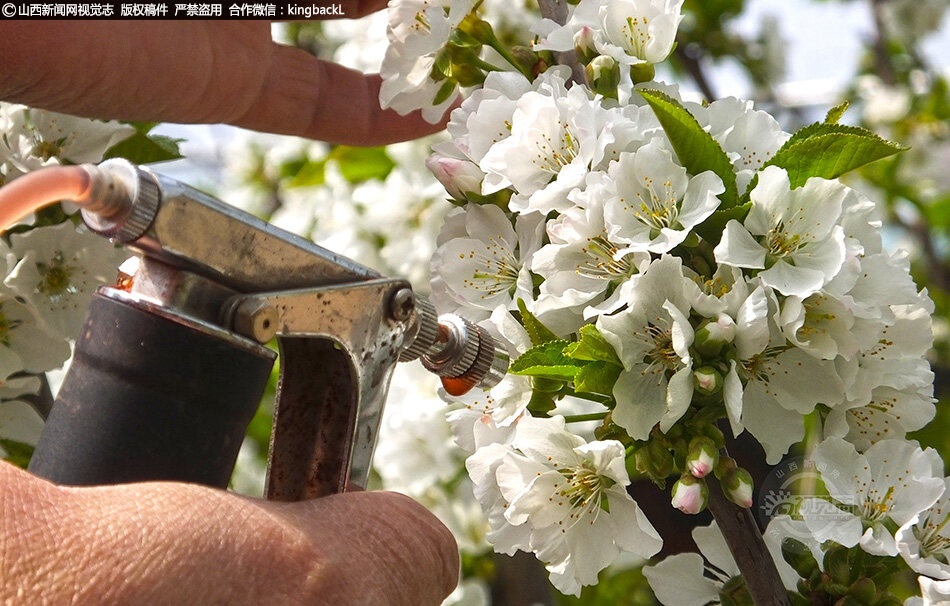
point(233, 73)
point(305, 96)
point(394, 551)
point(167, 543)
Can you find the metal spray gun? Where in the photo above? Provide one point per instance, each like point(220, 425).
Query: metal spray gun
point(171, 364)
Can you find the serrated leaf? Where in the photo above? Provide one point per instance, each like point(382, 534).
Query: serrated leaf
point(537, 332)
point(546, 360)
point(829, 151)
point(696, 149)
point(144, 148)
point(592, 347)
point(18, 453)
point(358, 164)
point(597, 377)
point(834, 114)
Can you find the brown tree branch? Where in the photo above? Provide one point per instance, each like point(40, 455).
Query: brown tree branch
point(748, 549)
point(556, 10)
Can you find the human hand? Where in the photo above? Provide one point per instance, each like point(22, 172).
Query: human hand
point(197, 72)
point(167, 543)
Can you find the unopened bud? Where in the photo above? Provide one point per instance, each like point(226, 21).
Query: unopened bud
point(702, 457)
point(527, 58)
point(654, 460)
point(712, 336)
point(864, 591)
point(690, 494)
point(584, 45)
point(737, 484)
point(707, 380)
point(467, 75)
point(642, 72)
point(603, 76)
point(477, 28)
point(457, 176)
point(799, 557)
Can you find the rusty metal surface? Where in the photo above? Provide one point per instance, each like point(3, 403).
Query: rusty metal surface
point(338, 346)
point(314, 420)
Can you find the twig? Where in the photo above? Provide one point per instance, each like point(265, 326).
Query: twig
point(556, 10)
point(42, 401)
point(748, 549)
point(692, 61)
point(884, 68)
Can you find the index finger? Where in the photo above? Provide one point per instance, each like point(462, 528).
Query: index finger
point(306, 96)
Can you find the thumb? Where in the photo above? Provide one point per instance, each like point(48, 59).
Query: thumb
point(385, 548)
point(171, 543)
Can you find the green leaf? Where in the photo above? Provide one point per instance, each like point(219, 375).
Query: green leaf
point(834, 114)
point(695, 148)
point(592, 347)
point(597, 377)
point(711, 229)
point(537, 332)
point(309, 174)
point(547, 361)
point(445, 91)
point(358, 164)
point(829, 151)
point(18, 453)
point(143, 148)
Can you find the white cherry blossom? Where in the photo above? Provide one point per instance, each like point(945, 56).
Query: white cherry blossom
point(555, 138)
point(819, 324)
point(651, 203)
point(418, 29)
point(932, 593)
point(488, 265)
point(763, 391)
point(791, 235)
point(695, 579)
point(652, 336)
point(750, 137)
point(32, 138)
point(629, 31)
point(580, 265)
point(890, 483)
point(894, 356)
point(570, 494)
point(59, 270)
point(924, 542)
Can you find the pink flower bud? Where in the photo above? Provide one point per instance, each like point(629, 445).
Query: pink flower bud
point(584, 44)
point(715, 334)
point(702, 456)
point(738, 484)
point(457, 176)
point(689, 494)
point(707, 380)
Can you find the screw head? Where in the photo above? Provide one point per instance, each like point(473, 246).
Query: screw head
point(402, 304)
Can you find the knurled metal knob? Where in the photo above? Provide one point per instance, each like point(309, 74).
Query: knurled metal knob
point(427, 322)
point(455, 347)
